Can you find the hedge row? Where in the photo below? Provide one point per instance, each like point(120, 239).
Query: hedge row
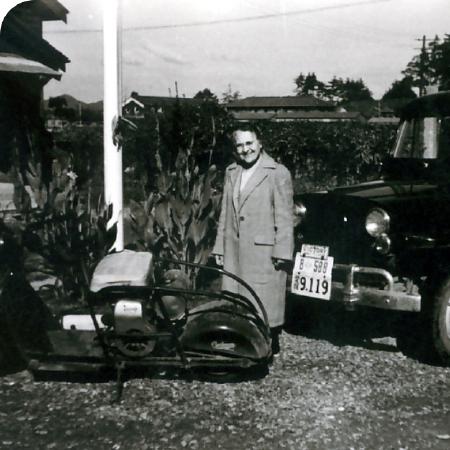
point(321, 155)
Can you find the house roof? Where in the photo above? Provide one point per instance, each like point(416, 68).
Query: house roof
point(15, 63)
point(52, 10)
point(154, 100)
point(322, 115)
point(297, 115)
point(244, 115)
point(44, 9)
point(297, 101)
point(21, 32)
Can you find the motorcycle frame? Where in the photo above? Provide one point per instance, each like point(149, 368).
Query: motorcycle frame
point(183, 359)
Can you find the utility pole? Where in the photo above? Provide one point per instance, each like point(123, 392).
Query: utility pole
point(423, 55)
point(422, 65)
point(112, 149)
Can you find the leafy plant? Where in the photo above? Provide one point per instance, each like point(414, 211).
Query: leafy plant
point(178, 220)
point(67, 231)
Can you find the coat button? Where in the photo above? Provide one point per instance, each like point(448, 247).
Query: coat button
point(241, 218)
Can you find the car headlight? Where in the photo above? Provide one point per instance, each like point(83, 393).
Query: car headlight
point(377, 222)
point(299, 212)
point(383, 244)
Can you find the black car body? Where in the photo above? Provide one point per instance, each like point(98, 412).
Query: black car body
point(386, 243)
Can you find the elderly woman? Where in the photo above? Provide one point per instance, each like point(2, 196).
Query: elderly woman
point(255, 232)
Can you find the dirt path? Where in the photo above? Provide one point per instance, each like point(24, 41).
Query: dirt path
point(318, 395)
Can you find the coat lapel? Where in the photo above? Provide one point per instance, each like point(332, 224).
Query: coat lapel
point(262, 171)
point(235, 177)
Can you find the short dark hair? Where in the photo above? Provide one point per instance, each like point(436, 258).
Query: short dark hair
point(244, 126)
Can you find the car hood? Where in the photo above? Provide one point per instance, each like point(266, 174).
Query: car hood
point(392, 191)
point(418, 208)
point(404, 178)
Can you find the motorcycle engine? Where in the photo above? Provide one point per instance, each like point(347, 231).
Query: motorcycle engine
point(133, 329)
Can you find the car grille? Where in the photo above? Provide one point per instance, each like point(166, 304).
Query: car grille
point(341, 228)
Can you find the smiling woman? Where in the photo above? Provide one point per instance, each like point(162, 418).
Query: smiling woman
point(255, 231)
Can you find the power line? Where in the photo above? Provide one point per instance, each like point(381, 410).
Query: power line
point(351, 33)
point(225, 21)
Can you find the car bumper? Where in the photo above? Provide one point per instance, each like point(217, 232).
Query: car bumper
point(351, 293)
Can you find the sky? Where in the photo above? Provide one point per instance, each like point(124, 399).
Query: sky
point(256, 47)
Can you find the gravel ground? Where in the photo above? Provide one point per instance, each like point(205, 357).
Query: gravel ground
point(318, 395)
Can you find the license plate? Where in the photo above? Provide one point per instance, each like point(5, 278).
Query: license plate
point(311, 276)
point(314, 251)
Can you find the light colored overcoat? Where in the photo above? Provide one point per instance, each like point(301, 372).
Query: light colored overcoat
point(255, 226)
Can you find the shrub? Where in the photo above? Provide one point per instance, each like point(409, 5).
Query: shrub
point(321, 155)
point(68, 231)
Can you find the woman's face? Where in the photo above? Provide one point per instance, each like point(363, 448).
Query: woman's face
point(247, 146)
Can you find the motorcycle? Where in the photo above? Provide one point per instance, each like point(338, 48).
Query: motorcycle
point(141, 312)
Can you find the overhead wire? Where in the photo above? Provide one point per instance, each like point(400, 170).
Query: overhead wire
point(230, 20)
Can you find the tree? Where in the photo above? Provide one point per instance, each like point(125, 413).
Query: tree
point(57, 103)
point(442, 63)
point(193, 128)
point(60, 108)
point(91, 116)
point(400, 89)
point(336, 90)
point(432, 65)
point(335, 87)
point(299, 83)
point(206, 95)
point(354, 90)
point(230, 96)
point(309, 84)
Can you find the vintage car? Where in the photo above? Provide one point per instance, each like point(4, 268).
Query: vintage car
point(386, 243)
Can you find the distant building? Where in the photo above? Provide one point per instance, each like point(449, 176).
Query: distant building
point(137, 105)
point(378, 112)
point(320, 116)
point(55, 125)
point(384, 120)
point(289, 108)
point(384, 115)
point(280, 104)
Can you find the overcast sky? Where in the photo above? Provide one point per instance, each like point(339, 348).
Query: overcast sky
point(256, 46)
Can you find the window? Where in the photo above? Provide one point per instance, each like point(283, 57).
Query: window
point(427, 138)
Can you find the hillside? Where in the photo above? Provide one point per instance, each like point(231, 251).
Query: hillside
point(73, 103)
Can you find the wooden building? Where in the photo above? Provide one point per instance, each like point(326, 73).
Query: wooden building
point(289, 108)
point(27, 63)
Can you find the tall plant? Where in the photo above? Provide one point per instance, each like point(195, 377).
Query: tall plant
point(178, 220)
point(178, 217)
point(67, 230)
